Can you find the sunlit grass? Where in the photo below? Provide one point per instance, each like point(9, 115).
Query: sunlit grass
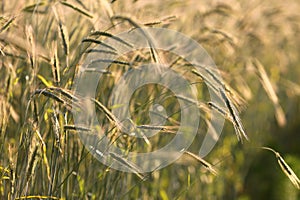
point(42, 46)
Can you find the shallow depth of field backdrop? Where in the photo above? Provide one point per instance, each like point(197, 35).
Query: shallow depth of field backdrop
point(255, 44)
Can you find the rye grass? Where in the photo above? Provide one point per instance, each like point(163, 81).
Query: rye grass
point(43, 45)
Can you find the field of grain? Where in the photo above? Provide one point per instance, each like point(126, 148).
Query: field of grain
point(255, 46)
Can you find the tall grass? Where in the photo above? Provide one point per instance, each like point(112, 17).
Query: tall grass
point(42, 46)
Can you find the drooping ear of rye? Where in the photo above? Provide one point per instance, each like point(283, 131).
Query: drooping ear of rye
point(55, 66)
point(267, 85)
point(207, 165)
point(238, 126)
point(285, 168)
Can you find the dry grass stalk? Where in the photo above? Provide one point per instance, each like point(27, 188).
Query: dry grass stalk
point(55, 93)
point(238, 126)
point(199, 104)
point(12, 180)
point(285, 168)
point(37, 197)
point(44, 154)
point(110, 61)
point(266, 83)
point(169, 119)
point(91, 40)
point(56, 129)
point(64, 37)
point(154, 54)
point(7, 24)
point(55, 67)
point(66, 93)
point(131, 166)
point(101, 33)
point(50, 94)
point(30, 40)
point(80, 10)
point(216, 107)
point(108, 114)
point(207, 165)
point(214, 74)
point(32, 160)
point(33, 8)
point(165, 20)
point(97, 70)
point(75, 127)
point(206, 80)
point(100, 51)
point(167, 129)
point(227, 36)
